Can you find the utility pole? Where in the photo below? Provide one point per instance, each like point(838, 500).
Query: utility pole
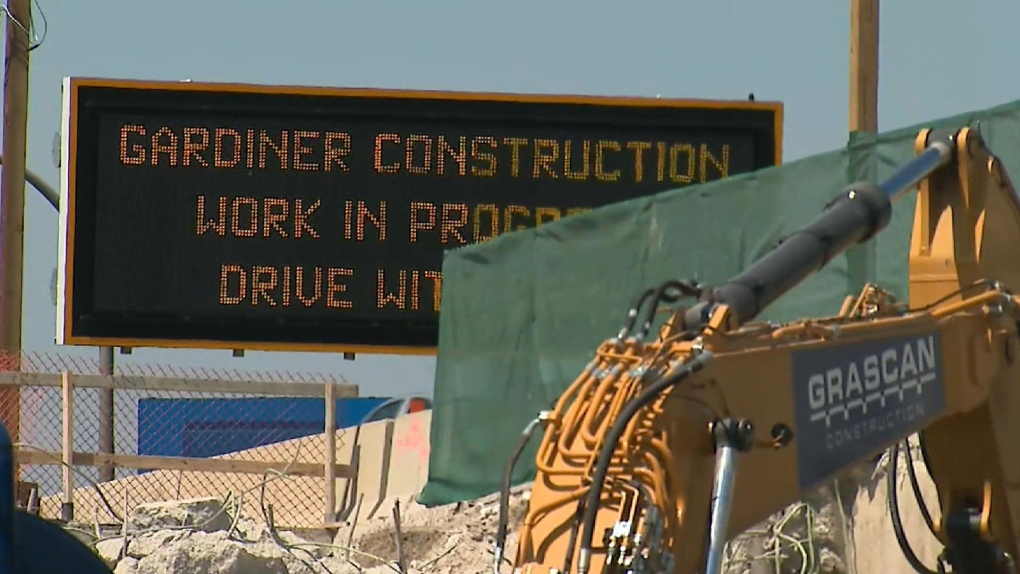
point(12, 202)
point(864, 66)
point(864, 119)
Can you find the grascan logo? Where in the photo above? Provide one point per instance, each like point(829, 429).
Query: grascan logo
point(876, 379)
point(852, 399)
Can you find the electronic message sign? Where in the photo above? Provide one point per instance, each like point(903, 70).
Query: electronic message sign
point(265, 217)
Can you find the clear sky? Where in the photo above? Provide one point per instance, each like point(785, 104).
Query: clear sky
point(938, 57)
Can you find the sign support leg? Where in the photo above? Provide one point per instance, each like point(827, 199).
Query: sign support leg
point(106, 414)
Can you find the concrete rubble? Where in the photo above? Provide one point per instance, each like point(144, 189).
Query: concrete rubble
point(811, 536)
point(193, 536)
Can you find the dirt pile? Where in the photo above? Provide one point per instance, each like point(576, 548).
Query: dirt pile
point(190, 537)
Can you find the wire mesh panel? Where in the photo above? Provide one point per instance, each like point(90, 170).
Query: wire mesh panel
point(266, 427)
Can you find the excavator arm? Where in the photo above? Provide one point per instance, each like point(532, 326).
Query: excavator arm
point(668, 445)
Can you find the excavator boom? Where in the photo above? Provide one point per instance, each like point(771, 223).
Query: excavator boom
point(667, 446)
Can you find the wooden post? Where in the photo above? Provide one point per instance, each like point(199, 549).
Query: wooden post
point(329, 476)
point(862, 259)
point(12, 202)
point(67, 456)
point(864, 65)
point(863, 118)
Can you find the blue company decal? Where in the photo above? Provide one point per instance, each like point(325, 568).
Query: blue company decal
point(851, 399)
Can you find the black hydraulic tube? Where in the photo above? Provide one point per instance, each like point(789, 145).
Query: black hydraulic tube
point(855, 216)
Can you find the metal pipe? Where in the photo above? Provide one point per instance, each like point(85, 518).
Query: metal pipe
point(722, 500)
point(106, 415)
point(51, 195)
point(911, 173)
point(859, 213)
point(46, 190)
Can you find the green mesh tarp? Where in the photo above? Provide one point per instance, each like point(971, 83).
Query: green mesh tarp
point(523, 313)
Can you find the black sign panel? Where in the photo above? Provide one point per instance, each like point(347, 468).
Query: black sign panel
point(229, 216)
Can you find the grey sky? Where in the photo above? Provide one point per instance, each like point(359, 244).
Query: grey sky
point(938, 58)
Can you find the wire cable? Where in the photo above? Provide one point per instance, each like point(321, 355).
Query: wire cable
point(38, 39)
point(95, 486)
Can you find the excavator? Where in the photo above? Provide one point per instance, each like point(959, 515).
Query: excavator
point(674, 440)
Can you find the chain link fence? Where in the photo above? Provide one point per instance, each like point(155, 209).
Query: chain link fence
point(252, 438)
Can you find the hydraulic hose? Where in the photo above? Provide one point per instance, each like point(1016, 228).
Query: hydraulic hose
point(504, 492)
point(657, 295)
point(915, 486)
point(631, 409)
point(662, 294)
point(632, 315)
point(894, 512)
